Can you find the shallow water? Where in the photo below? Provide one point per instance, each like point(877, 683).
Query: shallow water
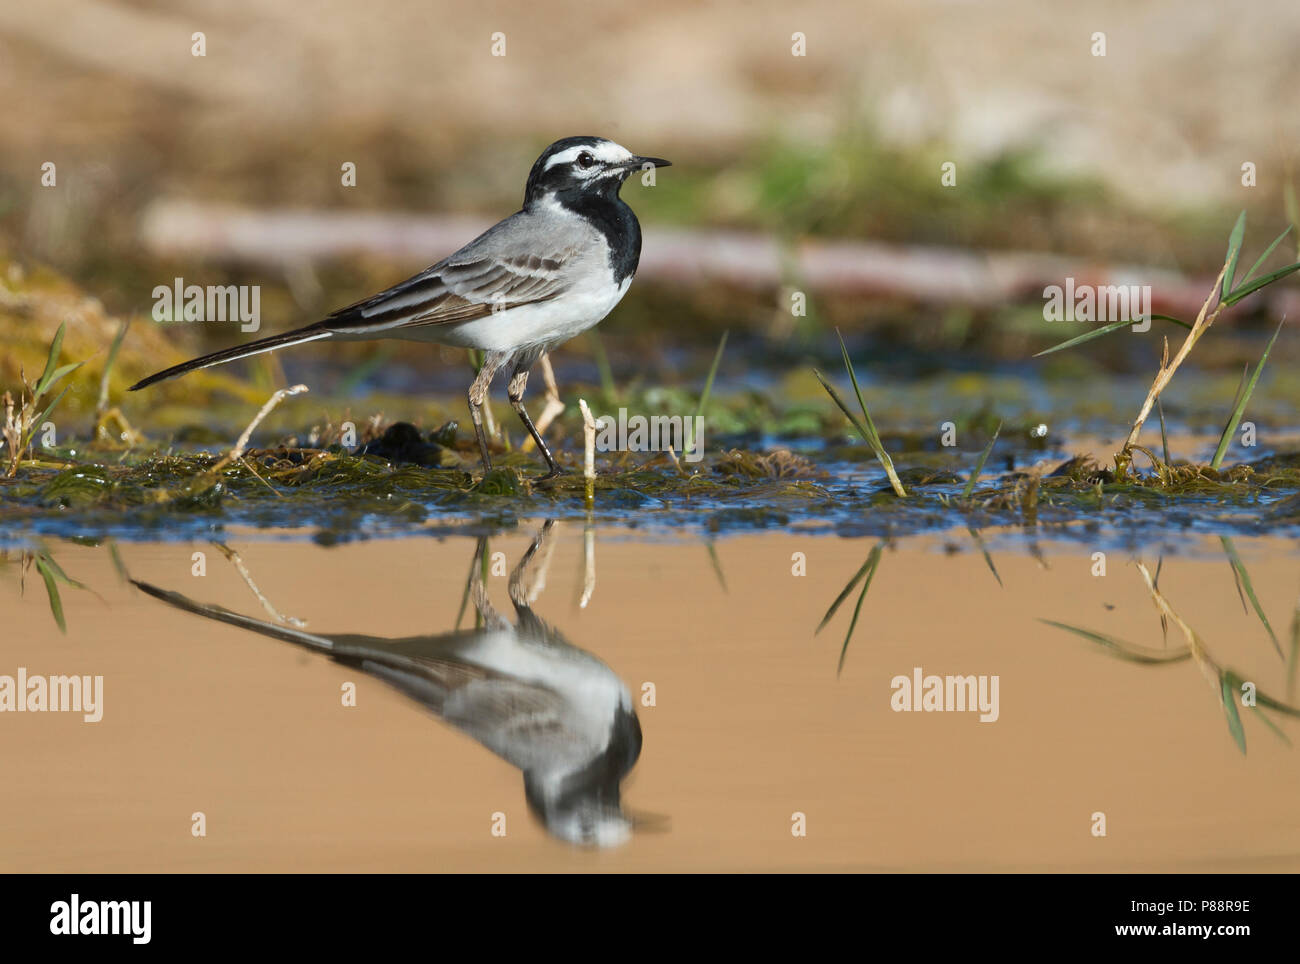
point(750, 724)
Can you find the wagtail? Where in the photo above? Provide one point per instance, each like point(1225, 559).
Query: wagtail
point(523, 691)
point(546, 273)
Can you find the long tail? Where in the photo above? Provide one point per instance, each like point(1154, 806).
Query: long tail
point(321, 644)
point(239, 351)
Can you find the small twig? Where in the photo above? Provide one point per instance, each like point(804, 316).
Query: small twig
point(127, 432)
point(274, 613)
point(242, 445)
point(1204, 319)
point(589, 450)
point(678, 465)
point(589, 566)
point(207, 479)
point(246, 464)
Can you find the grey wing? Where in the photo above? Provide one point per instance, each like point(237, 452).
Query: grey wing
point(524, 723)
point(514, 263)
point(527, 724)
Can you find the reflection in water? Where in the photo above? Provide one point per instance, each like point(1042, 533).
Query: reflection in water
point(523, 691)
point(1235, 690)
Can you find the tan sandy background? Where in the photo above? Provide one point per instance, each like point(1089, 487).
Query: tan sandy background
point(751, 722)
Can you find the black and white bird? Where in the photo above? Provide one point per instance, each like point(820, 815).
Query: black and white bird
point(548, 272)
point(522, 690)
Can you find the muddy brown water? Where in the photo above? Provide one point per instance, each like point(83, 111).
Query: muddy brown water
point(750, 723)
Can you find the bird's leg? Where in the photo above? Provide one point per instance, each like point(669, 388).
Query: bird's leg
point(478, 391)
point(518, 382)
point(478, 592)
point(521, 597)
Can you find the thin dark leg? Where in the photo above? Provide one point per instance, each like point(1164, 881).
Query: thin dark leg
point(518, 381)
point(553, 465)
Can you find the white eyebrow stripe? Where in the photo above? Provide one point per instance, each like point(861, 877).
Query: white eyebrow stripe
point(609, 152)
point(567, 157)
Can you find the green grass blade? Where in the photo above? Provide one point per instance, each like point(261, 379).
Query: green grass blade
point(848, 412)
point(874, 439)
point(1295, 652)
point(48, 382)
point(717, 565)
point(1241, 386)
point(1235, 418)
point(102, 403)
point(987, 558)
point(39, 420)
point(1228, 696)
point(118, 564)
point(844, 594)
point(857, 390)
point(469, 581)
point(60, 575)
point(1277, 730)
point(52, 590)
point(1292, 210)
point(1106, 330)
point(1264, 257)
point(1086, 336)
point(1164, 433)
point(51, 361)
point(979, 466)
point(867, 433)
point(1241, 591)
point(873, 562)
point(607, 385)
point(1239, 568)
point(1164, 620)
point(1125, 650)
point(1234, 251)
point(1263, 699)
point(1252, 287)
point(687, 438)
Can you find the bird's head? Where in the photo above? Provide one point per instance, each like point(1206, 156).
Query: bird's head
point(577, 166)
point(592, 826)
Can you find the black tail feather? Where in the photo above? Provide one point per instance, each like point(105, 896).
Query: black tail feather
point(309, 640)
point(232, 354)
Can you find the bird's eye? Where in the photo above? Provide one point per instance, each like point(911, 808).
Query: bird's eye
point(585, 160)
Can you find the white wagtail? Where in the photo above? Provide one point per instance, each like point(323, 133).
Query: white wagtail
point(546, 273)
point(523, 691)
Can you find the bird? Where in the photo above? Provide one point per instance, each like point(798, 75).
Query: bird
point(522, 690)
point(546, 273)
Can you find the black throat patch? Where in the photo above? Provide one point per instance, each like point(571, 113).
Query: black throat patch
point(610, 215)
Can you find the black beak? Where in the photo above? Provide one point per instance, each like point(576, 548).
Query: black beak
point(639, 162)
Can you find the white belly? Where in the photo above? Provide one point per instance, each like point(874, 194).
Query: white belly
point(546, 324)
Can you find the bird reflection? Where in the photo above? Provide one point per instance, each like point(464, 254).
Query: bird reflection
point(555, 711)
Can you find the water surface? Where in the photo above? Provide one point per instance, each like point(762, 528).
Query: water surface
point(750, 725)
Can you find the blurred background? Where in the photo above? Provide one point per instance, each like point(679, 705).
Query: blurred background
point(818, 173)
